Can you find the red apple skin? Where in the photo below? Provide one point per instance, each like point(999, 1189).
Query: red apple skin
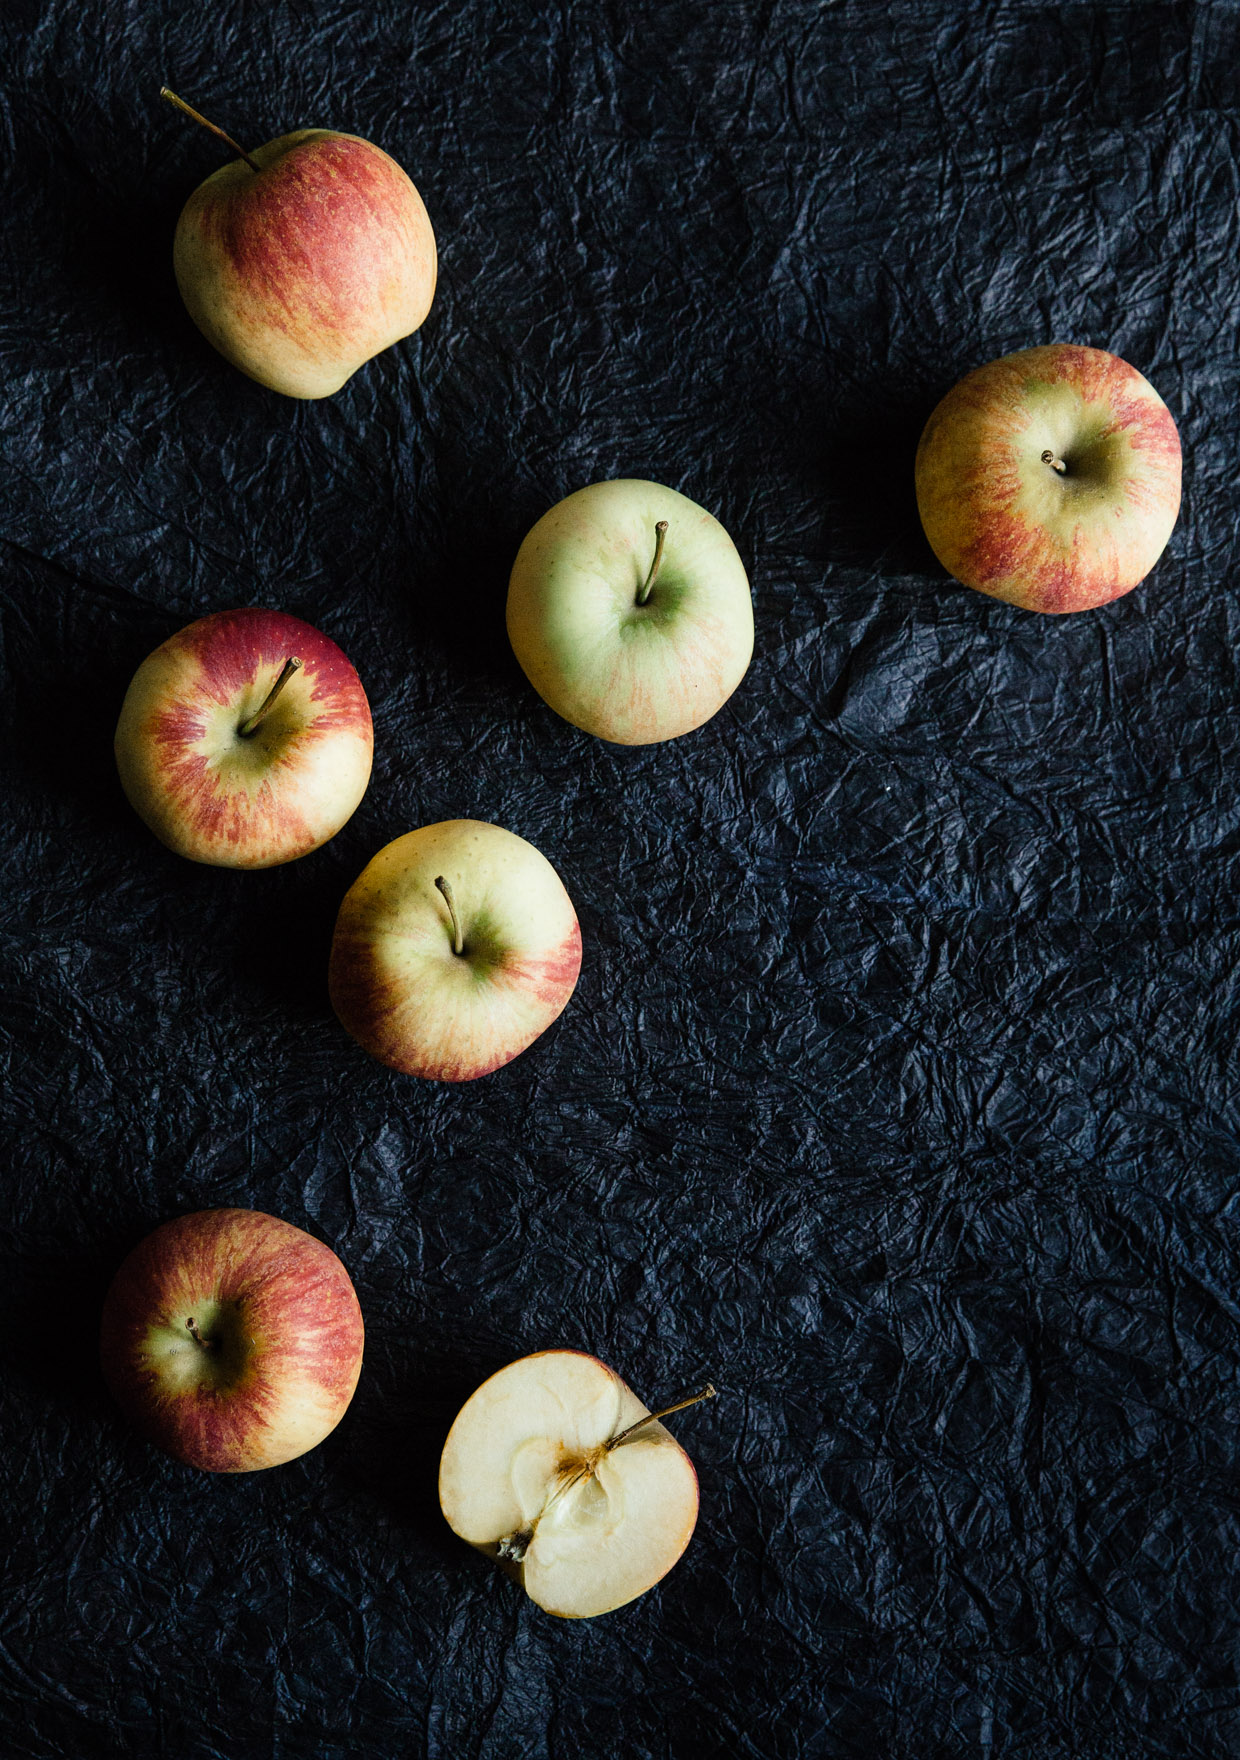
point(979, 457)
point(298, 1319)
point(300, 272)
point(178, 721)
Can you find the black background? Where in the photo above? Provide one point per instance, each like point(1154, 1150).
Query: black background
point(899, 1093)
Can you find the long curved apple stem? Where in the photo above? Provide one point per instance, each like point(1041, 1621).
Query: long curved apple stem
point(208, 1344)
point(458, 940)
point(1056, 464)
point(260, 714)
point(660, 533)
point(694, 1399)
point(189, 110)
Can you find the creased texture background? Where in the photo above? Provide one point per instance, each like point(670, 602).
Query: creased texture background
point(899, 1094)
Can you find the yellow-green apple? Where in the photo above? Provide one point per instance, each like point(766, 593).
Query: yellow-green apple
point(454, 949)
point(245, 739)
point(557, 1470)
point(629, 611)
point(232, 1339)
point(304, 258)
point(1050, 478)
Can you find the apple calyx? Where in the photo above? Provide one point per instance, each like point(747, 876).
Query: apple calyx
point(180, 104)
point(513, 1547)
point(252, 724)
point(1056, 464)
point(208, 1344)
point(660, 533)
point(458, 940)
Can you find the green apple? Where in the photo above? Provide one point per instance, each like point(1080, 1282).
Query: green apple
point(629, 611)
point(454, 949)
point(1050, 478)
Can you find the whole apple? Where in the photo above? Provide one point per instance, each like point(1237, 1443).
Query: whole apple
point(557, 1470)
point(1050, 478)
point(302, 259)
point(454, 949)
point(232, 1339)
point(629, 611)
point(245, 740)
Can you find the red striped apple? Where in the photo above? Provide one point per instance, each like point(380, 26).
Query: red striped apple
point(1050, 478)
point(629, 611)
point(302, 259)
point(232, 1339)
point(454, 949)
point(245, 740)
point(558, 1471)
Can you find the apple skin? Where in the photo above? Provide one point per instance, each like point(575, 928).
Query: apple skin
point(396, 982)
point(483, 1484)
point(300, 272)
point(286, 1340)
point(215, 797)
point(1003, 520)
point(631, 673)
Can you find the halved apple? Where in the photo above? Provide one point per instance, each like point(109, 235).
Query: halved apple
point(557, 1470)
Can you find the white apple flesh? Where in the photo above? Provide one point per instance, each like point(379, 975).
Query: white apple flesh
point(237, 757)
point(630, 613)
point(454, 949)
point(232, 1339)
point(550, 1470)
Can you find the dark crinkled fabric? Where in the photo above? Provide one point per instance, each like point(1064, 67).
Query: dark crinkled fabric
point(899, 1095)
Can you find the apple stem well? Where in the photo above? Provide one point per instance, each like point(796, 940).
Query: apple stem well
point(660, 533)
point(458, 940)
point(252, 724)
point(694, 1399)
point(1056, 464)
point(188, 109)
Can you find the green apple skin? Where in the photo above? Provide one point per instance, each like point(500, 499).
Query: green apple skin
point(232, 1339)
point(399, 986)
point(303, 270)
point(629, 672)
point(1002, 517)
point(237, 801)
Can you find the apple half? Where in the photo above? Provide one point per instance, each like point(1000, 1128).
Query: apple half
point(555, 1469)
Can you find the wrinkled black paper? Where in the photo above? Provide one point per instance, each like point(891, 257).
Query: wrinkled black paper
point(899, 1093)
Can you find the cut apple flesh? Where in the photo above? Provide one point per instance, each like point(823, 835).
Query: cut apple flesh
point(532, 1474)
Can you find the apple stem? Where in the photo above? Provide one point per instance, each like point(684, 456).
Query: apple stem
point(694, 1399)
point(208, 1344)
point(660, 533)
point(189, 110)
point(260, 714)
point(458, 940)
point(1056, 464)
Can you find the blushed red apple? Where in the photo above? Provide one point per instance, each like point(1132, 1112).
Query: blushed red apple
point(1050, 478)
point(245, 740)
point(232, 1339)
point(304, 258)
point(555, 1469)
point(454, 949)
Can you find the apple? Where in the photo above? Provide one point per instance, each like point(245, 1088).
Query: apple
point(454, 949)
point(629, 611)
point(245, 739)
point(557, 1470)
point(232, 1339)
point(1050, 478)
point(302, 259)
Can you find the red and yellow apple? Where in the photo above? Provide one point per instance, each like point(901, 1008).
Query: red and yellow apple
point(629, 611)
point(454, 949)
point(555, 1469)
point(232, 1339)
point(302, 259)
point(1050, 478)
point(245, 740)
